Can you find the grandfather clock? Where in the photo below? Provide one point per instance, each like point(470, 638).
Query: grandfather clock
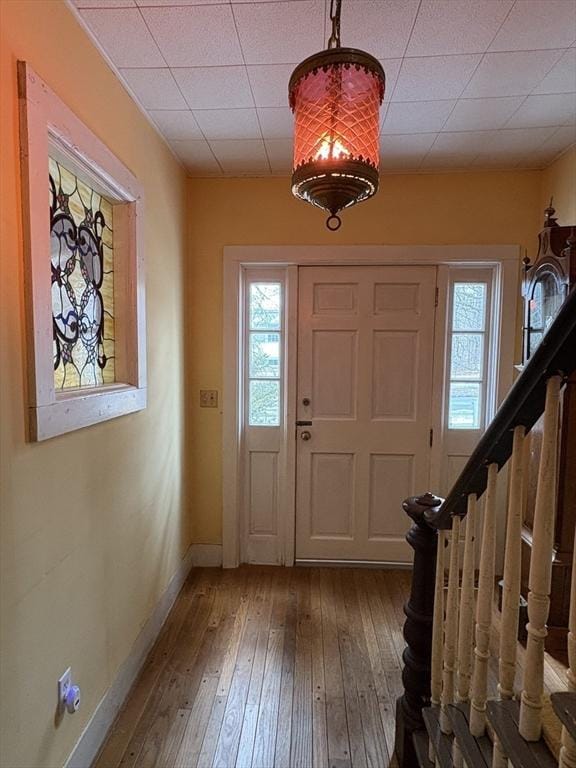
point(546, 284)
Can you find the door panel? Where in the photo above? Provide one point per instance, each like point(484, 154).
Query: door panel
point(365, 344)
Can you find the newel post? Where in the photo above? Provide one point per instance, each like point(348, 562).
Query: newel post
point(419, 612)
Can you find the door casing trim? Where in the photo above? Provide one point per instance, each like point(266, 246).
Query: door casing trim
point(236, 258)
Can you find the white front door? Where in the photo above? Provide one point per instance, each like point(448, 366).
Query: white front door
point(365, 357)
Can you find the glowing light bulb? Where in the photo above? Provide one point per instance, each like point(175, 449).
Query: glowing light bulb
point(331, 149)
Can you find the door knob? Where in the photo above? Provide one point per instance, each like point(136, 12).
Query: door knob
point(305, 435)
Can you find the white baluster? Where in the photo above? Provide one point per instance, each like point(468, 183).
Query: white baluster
point(568, 750)
point(466, 626)
point(530, 724)
point(512, 556)
point(466, 620)
point(511, 589)
point(437, 630)
point(451, 631)
point(484, 608)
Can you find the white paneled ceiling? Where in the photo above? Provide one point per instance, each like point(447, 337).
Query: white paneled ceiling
point(470, 83)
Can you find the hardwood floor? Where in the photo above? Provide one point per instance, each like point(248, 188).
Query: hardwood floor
point(264, 667)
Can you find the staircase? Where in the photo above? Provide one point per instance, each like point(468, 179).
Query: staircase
point(446, 717)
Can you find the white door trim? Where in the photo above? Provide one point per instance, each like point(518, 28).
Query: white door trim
point(505, 257)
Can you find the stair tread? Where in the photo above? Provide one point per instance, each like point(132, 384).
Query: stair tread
point(441, 742)
point(564, 704)
point(420, 739)
point(504, 717)
point(477, 752)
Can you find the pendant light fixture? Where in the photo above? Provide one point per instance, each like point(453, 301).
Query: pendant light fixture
point(335, 96)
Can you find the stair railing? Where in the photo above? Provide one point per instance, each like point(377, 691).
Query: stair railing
point(445, 717)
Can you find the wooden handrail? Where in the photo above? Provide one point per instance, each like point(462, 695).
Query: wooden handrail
point(523, 405)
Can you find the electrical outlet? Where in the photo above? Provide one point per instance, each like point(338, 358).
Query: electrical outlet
point(64, 684)
point(208, 398)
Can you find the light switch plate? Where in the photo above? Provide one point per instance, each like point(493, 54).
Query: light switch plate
point(208, 398)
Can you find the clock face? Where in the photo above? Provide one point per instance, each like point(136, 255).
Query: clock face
point(545, 301)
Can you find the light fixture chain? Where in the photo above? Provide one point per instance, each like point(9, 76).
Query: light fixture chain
point(335, 9)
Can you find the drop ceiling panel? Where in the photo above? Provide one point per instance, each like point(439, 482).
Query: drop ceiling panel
point(391, 70)
point(198, 157)
point(469, 83)
point(159, 3)
point(215, 87)
point(104, 3)
point(458, 161)
point(466, 26)
point(533, 24)
point(542, 110)
point(280, 154)
point(499, 160)
point(176, 123)
point(435, 77)
point(241, 157)
point(482, 114)
point(562, 77)
point(382, 28)
point(511, 74)
point(228, 123)
point(125, 37)
point(417, 116)
point(154, 88)
point(279, 33)
point(276, 122)
point(557, 142)
point(516, 140)
point(461, 143)
point(196, 35)
point(270, 84)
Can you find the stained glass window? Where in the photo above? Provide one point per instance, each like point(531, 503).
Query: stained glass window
point(82, 258)
point(264, 353)
point(467, 341)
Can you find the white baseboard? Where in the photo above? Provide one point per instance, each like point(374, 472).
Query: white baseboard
point(206, 555)
point(97, 728)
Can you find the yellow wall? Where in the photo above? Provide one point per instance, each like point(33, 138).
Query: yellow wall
point(93, 523)
point(559, 181)
point(451, 208)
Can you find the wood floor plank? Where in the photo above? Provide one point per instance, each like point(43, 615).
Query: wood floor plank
point(265, 739)
point(355, 754)
point(267, 667)
point(319, 726)
point(301, 742)
point(284, 730)
point(191, 744)
point(366, 678)
point(384, 695)
point(171, 745)
point(250, 721)
point(229, 737)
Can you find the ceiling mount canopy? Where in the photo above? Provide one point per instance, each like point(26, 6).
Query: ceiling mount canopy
point(335, 96)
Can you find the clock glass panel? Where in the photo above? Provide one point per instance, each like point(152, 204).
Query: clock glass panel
point(546, 300)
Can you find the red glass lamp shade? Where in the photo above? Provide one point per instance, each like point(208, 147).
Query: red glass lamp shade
point(335, 96)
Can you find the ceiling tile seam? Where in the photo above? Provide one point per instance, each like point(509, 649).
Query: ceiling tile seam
point(251, 90)
point(403, 58)
point(177, 84)
point(402, 61)
point(470, 78)
point(116, 72)
point(538, 84)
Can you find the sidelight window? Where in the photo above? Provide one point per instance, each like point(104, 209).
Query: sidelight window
point(264, 340)
point(468, 354)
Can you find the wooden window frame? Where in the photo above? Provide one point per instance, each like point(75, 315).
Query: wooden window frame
point(48, 126)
